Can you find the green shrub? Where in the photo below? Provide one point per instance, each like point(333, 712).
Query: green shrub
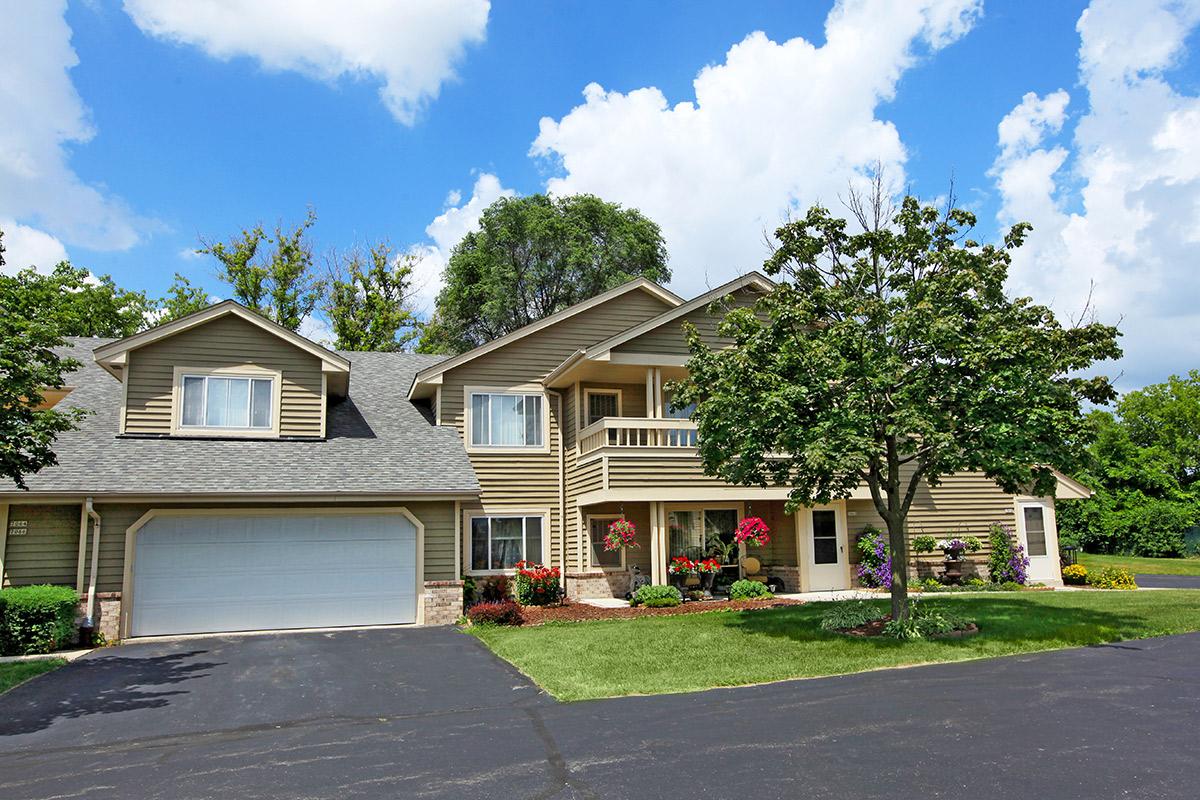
point(36, 619)
point(849, 614)
point(924, 544)
point(748, 590)
point(927, 619)
point(652, 596)
point(1112, 578)
point(1075, 574)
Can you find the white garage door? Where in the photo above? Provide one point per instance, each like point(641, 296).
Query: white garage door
point(204, 573)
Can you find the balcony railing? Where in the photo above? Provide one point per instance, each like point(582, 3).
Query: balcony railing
point(637, 432)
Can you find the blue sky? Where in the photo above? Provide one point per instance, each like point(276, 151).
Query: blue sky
point(194, 121)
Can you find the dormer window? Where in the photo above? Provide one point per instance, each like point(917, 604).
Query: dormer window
point(235, 403)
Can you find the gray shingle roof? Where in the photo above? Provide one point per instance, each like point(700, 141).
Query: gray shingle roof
point(377, 442)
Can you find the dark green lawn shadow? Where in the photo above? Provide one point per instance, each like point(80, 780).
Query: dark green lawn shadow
point(1000, 618)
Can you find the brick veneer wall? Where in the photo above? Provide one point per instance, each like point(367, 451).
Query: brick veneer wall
point(597, 583)
point(443, 602)
point(107, 614)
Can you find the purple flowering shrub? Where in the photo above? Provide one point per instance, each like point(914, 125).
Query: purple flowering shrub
point(1007, 563)
point(875, 562)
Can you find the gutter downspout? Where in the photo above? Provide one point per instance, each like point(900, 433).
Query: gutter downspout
point(91, 591)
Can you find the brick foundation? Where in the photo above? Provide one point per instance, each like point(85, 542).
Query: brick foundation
point(443, 602)
point(596, 584)
point(107, 615)
point(789, 575)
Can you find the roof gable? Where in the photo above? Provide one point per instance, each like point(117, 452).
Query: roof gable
point(433, 374)
point(112, 356)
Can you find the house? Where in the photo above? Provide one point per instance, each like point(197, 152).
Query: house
point(234, 475)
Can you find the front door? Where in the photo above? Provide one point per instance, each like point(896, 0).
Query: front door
point(1034, 522)
point(826, 550)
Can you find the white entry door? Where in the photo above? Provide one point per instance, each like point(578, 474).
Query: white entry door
point(1035, 529)
point(205, 573)
point(826, 549)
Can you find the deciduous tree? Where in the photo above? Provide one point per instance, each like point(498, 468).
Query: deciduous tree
point(533, 256)
point(369, 301)
point(891, 357)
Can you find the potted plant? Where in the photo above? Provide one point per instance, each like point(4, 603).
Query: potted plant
point(954, 549)
point(708, 570)
point(752, 530)
point(621, 533)
point(679, 570)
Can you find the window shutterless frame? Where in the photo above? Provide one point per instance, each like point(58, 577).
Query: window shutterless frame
point(509, 420)
point(596, 546)
point(235, 401)
point(487, 537)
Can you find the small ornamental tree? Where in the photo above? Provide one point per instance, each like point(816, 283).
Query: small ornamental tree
point(891, 358)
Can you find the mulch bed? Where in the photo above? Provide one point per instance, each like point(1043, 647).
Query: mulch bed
point(582, 612)
point(875, 628)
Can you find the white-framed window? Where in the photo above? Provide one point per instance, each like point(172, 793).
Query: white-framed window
point(227, 402)
point(601, 403)
point(498, 541)
point(507, 419)
point(597, 530)
point(1035, 530)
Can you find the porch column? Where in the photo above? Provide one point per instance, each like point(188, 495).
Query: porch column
point(650, 392)
point(657, 553)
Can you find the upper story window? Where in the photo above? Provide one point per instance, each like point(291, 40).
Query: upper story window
point(504, 419)
point(227, 403)
point(602, 403)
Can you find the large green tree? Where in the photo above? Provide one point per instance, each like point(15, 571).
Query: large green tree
point(888, 358)
point(271, 273)
point(1144, 474)
point(369, 302)
point(73, 302)
point(28, 366)
point(183, 298)
point(533, 256)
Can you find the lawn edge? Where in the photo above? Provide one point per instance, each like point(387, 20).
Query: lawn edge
point(62, 663)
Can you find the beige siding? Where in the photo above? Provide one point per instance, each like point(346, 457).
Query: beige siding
point(530, 482)
point(668, 338)
point(225, 342)
point(48, 551)
point(965, 504)
point(637, 472)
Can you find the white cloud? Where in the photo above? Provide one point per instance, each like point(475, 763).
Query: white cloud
point(411, 47)
point(446, 230)
point(28, 247)
point(774, 128)
point(41, 116)
point(1120, 203)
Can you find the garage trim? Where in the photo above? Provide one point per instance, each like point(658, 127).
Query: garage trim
point(132, 531)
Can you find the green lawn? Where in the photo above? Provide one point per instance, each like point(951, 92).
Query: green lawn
point(14, 672)
point(1146, 566)
point(587, 660)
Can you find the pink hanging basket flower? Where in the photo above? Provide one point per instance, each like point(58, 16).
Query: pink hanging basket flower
point(621, 533)
point(752, 530)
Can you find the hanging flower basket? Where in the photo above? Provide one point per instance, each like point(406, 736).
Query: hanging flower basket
point(621, 533)
point(752, 530)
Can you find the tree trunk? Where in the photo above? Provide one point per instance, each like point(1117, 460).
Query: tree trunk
point(898, 548)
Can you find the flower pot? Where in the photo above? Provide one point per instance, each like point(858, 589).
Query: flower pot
point(678, 580)
point(953, 570)
point(706, 581)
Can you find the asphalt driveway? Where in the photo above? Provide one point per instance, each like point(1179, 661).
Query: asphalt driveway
point(431, 713)
point(1168, 581)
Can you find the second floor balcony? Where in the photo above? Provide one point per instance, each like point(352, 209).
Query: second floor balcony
point(638, 433)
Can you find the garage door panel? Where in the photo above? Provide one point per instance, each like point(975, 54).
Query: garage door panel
point(209, 573)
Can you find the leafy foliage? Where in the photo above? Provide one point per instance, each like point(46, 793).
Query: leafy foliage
point(370, 300)
point(923, 544)
point(36, 619)
point(1006, 560)
point(183, 298)
point(1145, 474)
point(849, 614)
point(1075, 574)
point(496, 612)
point(654, 596)
point(533, 256)
point(1112, 578)
point(72, 302)
point(890, 358)
point(926, 620)
point(279, 284)
point(748, 590)
point(874, 558)
point(536, 584)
